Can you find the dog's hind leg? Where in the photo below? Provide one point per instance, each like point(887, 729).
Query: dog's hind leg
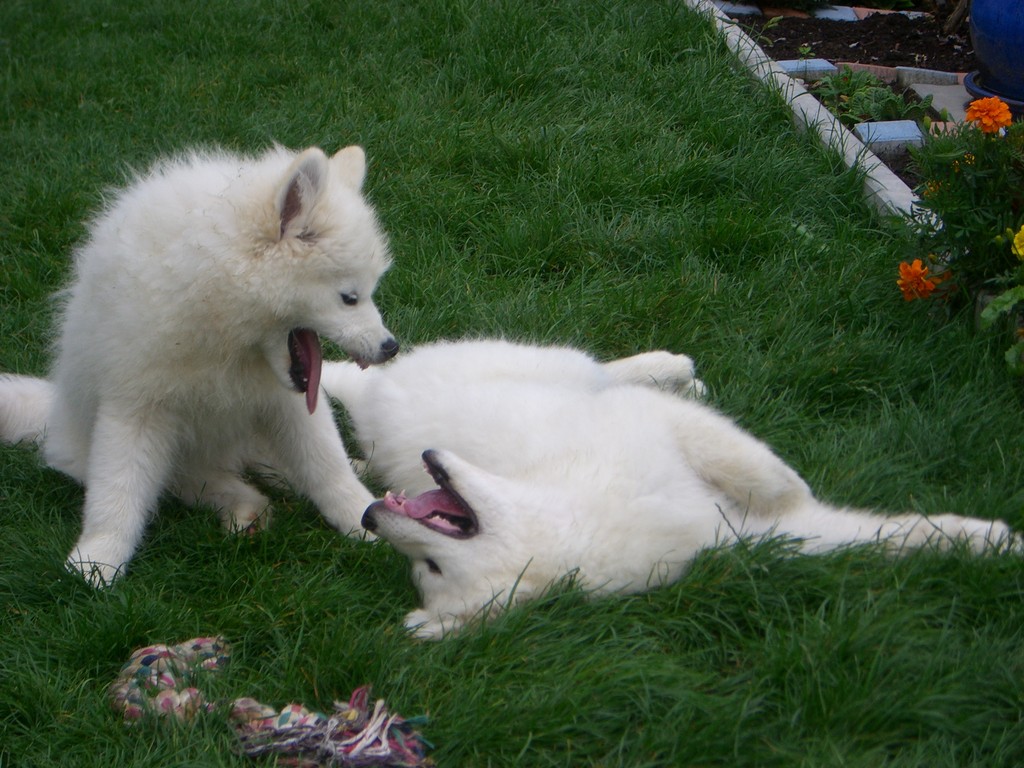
point(25, 404)
point(241, 508)
point(822, 528)
point(737, 463)
point(661, 370)
point(771, 498)
point(128, 467)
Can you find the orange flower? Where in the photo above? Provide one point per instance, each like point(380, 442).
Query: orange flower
point(990, 114)
point(915, 282)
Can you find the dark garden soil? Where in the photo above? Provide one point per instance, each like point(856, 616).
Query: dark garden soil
point(886, 39)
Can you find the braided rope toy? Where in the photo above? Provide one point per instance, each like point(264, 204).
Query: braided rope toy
point(161, 680)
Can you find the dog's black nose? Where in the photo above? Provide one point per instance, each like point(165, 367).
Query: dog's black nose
point(369, 521)
point(388, 349)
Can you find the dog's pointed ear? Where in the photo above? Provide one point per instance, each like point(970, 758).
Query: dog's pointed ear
point(350, 165)
point(300, 190)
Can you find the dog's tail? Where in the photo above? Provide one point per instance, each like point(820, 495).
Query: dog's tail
point(346, 382)
point(24, 407)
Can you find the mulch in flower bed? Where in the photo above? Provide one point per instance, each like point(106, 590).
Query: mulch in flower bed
point(885, 39)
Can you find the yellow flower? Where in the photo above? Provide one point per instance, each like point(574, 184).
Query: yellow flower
point(990, 114)
point(914, 281)
point(968, 160)
point(1018, 244)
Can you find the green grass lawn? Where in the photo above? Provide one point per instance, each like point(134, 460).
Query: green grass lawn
point(592, 173)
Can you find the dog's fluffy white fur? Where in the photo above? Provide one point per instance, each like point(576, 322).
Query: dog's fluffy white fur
point(543, 462)
point(188, 343)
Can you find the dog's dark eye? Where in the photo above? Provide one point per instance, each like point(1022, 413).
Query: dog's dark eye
point(349, 299)
point(434, 567)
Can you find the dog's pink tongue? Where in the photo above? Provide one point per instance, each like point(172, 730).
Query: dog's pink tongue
point(420, 506)
point(312, 360)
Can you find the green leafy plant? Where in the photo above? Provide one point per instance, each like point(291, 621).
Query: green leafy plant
point(881, 103)
point(843, 84)
point(768, 26)
point(856, 96)
point(1010, 304)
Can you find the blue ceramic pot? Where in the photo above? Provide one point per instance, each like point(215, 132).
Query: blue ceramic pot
point(997, 32)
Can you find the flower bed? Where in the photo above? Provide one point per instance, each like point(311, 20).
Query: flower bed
point(970, 221)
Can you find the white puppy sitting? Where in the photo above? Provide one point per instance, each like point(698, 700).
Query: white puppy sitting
point(190, 333)
point(543, 462)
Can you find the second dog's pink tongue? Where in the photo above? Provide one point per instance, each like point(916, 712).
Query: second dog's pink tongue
point(420, 506)
point(313, 360)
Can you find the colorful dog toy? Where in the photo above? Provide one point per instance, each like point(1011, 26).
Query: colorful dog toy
point(161, 680)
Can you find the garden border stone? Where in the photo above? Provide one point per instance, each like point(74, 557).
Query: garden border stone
point(888, 138)
point(808, 69)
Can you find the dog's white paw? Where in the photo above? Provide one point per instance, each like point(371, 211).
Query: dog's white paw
point(424, 625)
point(696, 389)
point(981, 535)
point(671, 372)
point(96, 573)
point(944, 531)
point(247, 518)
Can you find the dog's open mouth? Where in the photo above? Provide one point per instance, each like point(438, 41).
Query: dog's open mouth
point(306, 362)
point(442, 510)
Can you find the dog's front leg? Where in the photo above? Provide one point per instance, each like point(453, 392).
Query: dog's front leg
point(314, 460)
point(129, 461)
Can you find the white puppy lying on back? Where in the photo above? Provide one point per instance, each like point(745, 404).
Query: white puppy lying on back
point(543, 462)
